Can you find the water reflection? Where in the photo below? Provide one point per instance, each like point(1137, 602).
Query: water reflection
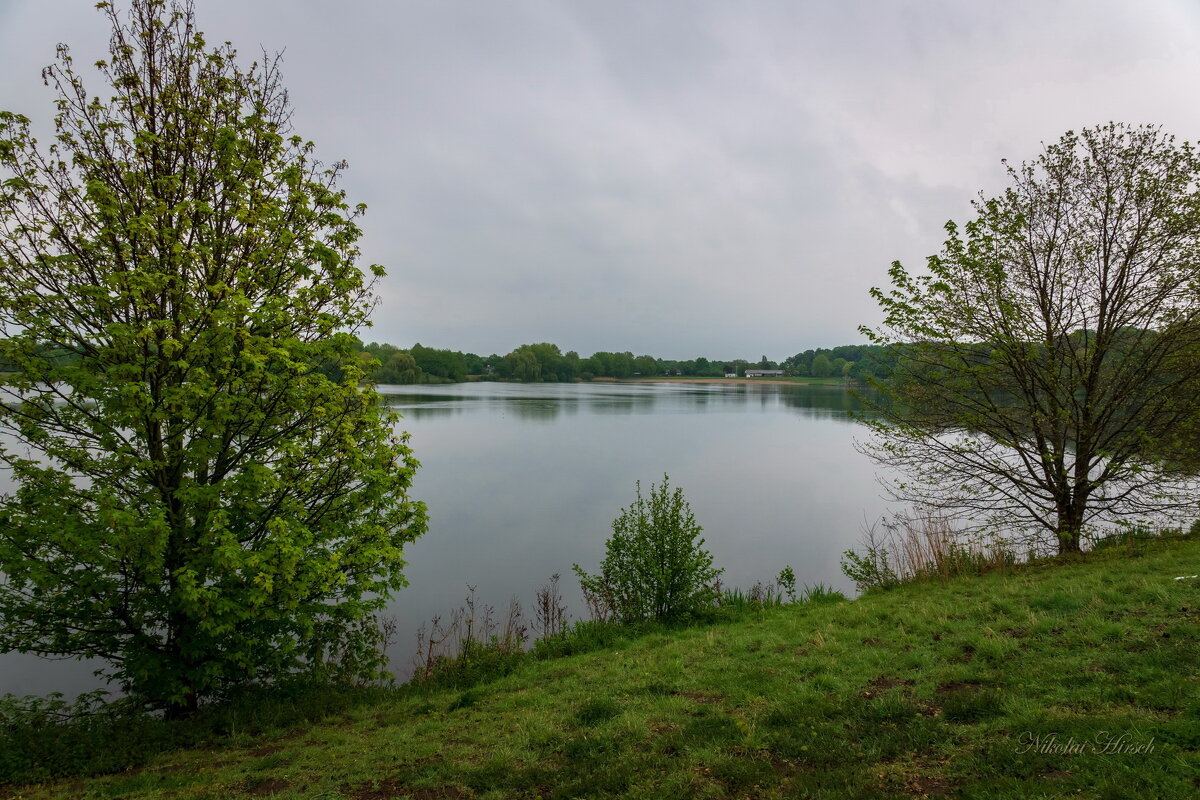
point(546, 402)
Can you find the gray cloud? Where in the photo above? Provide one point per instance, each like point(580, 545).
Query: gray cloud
point(680, 179)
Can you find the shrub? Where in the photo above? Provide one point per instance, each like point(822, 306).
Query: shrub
point(869, 570)
point(655, 565)
point(787, 582)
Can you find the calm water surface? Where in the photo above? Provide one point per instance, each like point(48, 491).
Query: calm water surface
point(523, 480)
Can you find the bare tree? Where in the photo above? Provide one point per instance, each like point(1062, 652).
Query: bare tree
point(1050, 342)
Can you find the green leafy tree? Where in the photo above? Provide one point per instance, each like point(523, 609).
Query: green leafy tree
point(645, 365)
point(570, 366)
point(400, 368)
point(613, 365)
point(860, 371)
point(204, 506)
point(449, 364)
point(474, 363)
point(542, 362)
point(523, 365)
point(1051, 340)
point(655, 565)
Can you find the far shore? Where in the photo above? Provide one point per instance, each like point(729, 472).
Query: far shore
point(780, 381)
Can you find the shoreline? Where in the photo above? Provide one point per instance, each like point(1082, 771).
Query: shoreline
point(630, 694)
point(775, 381)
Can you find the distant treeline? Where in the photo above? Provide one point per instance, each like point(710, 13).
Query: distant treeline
point(545, 362)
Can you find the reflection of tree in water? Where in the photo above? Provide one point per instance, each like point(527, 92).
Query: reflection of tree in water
point(428, 411)
point(423, 406)
point(835, 402)
point(622, 403)
point(541, 409)
point(823, 398)
point(396, 399)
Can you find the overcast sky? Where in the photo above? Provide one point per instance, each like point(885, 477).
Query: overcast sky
point(674, 178)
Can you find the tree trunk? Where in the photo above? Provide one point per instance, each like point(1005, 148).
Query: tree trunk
point(1070, 528)
point(183, 708)
point(1068, 542)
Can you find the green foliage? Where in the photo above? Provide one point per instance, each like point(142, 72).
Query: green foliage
point(866, 361)
point(869, 570)
point(655, 565)
point(522, 364)
point(545, 362)
point(1048, 353)
point(821, 366)
point(389, 364)
point(214, 499)
point(787, 582)
point(645, 365)
point(448, 364)
point(610, 365)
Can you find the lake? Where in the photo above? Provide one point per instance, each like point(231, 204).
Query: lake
point(523, 480)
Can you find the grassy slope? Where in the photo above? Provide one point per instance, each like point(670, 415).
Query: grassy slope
point(925, 690)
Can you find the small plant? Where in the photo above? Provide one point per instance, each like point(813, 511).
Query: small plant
point(787, 583)
point(869, 570)
point(655, 565)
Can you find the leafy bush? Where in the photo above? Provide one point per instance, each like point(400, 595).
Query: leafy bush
point(655, 565)
point(787, 582)
point(869, 570)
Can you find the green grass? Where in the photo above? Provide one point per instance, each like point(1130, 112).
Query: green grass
point(972, 688)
